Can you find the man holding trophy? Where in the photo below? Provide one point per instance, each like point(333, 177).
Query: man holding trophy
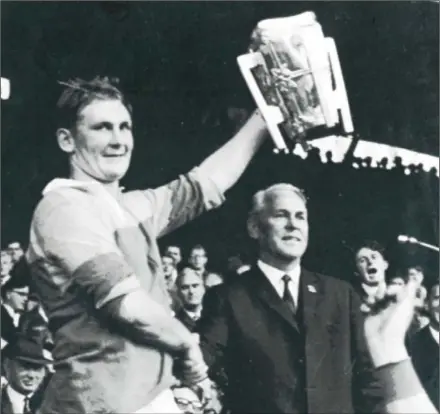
point(96, 264)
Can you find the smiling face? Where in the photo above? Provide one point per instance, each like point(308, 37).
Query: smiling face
point(24, 377)
point(282, 228)
point(371, 266)
point(101, 143)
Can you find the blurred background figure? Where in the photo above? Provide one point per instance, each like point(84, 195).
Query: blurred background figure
point(371, 267)
point(26, 374)
point(190, 289)
point(198, 259)
point(416, 273)
point(169, 271)
point(175, 252)
point(170, 275)
point(34, 323)
point(236, 265)
point(6, 266)
point(187, 400)
point(16, 251)
point(14, 295)
point(424, 347)
point(213, 279)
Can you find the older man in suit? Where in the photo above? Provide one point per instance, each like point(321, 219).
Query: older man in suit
point(290, 340)
point(26, 370)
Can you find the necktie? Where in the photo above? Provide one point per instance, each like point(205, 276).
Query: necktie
point(287, 296)
point(27, 407)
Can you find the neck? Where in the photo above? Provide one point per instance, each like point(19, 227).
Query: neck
point(78, 174)
point(193, 308)
point(286, 265)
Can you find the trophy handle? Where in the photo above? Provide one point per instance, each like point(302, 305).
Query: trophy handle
point(340, 93)
point(271, 114)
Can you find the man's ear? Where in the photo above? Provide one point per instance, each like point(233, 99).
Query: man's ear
point(252, 227)
point(386, 265)
point(65, 140)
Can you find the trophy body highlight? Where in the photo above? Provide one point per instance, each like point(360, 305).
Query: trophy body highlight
point(295, 78)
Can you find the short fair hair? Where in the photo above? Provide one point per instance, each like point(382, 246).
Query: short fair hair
point(79, 93)
point(260, 198)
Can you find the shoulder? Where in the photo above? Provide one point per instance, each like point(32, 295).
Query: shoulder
point(330, 282)
point(64, 201)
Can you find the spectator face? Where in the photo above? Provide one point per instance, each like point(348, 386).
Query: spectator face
point(6, 264)
point(102, 142)
point(191, 289)
point(24, 377)
point(433, 305)
point(213, 279)
point(397, 281)
point(175, 253)
point(17, 298)
point(188, 401)
point(168, 270)
point(371, 266)
point(198, 259)
point(415, 274)
point(16, 251)
point(283, 227)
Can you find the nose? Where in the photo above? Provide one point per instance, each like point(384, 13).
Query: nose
point(290, 223)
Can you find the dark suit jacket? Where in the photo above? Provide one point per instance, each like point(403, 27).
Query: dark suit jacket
point(424, 352)
point(183, 317)
point(276, 363)
point(34, 402)
point(8, 330)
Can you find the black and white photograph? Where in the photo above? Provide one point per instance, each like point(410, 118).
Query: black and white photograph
point(219, 207)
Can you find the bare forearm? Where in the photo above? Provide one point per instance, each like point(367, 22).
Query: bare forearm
point(149, 323)
point(227, 164)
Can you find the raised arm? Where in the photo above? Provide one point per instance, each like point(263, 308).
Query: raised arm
point(385, 327)
point(225, 166)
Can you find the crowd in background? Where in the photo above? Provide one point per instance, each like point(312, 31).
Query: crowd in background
point(26, 340)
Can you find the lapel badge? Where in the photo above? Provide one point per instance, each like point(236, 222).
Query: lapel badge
point(311, 288)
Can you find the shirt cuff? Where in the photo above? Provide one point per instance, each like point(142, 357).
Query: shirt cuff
point(212, 196)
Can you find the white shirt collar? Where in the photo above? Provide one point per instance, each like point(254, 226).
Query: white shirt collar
point(193, 315)
point(14, 315)
point(275, 276)
point(435, 334)
point(17, 399)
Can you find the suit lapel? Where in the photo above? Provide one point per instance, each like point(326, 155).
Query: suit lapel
point(312, 294)
point(271, 299)
point(6, 405)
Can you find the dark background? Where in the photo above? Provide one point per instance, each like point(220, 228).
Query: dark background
point(177, 61)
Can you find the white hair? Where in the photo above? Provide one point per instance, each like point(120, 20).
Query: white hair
point(260, 198)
